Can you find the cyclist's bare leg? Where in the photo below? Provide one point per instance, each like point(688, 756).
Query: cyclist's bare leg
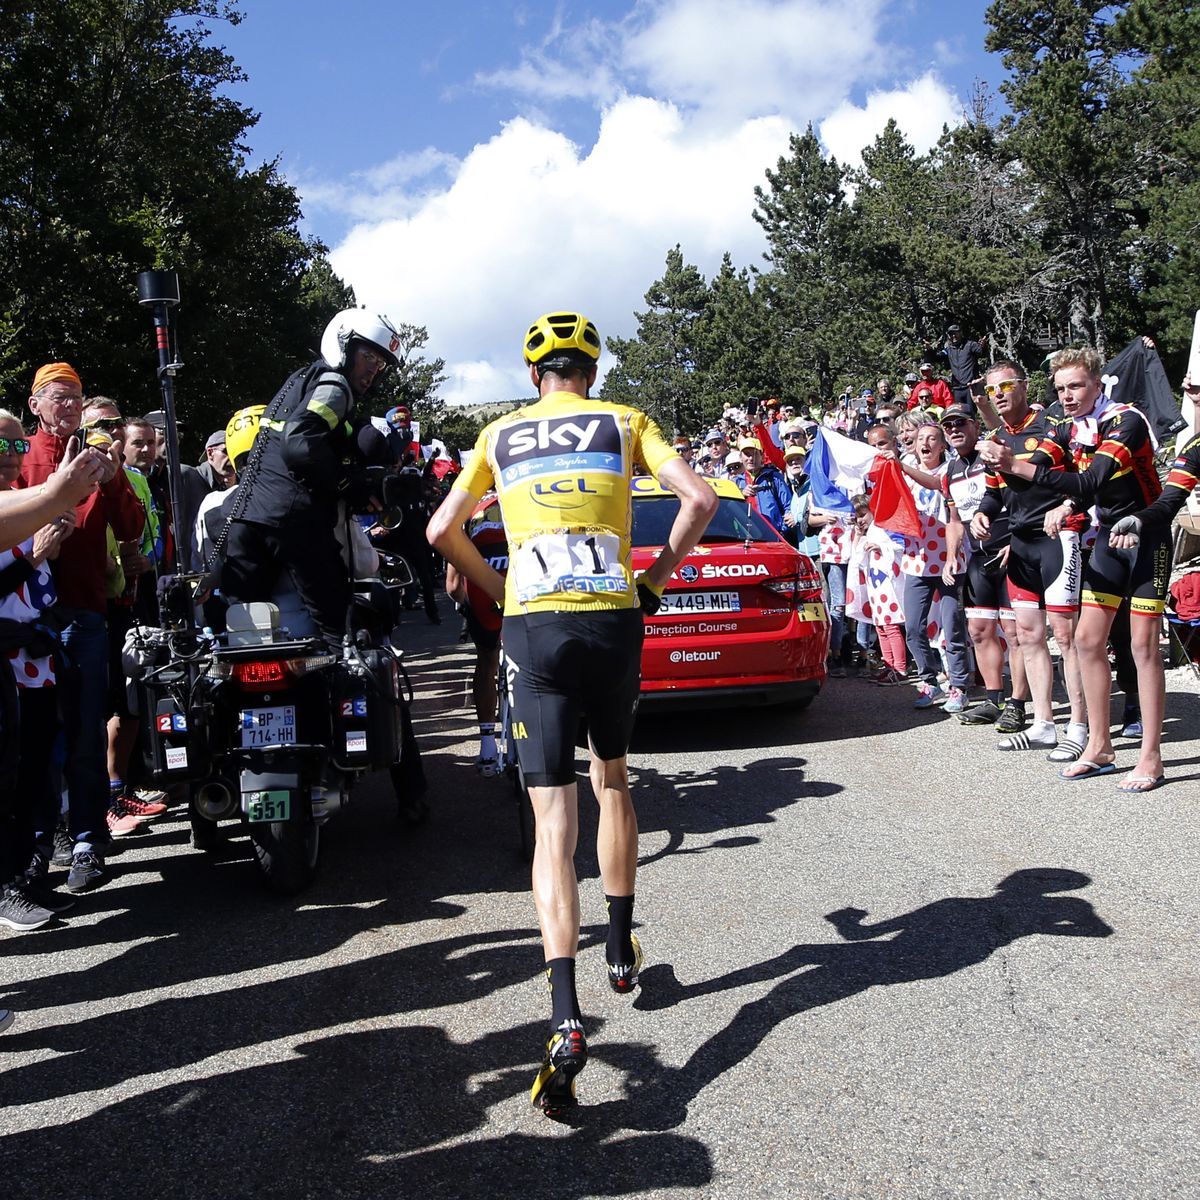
point(1031, 632)
point(617, 835)
point(1062, 625)
point(483, 685)
point(555, 888)
point(1016, 661)
point(1091, 640)
point(1152, 692)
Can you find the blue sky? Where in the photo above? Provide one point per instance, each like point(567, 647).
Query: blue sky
point(474, 165)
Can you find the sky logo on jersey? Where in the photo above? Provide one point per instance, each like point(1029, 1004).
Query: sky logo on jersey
point(553, 445)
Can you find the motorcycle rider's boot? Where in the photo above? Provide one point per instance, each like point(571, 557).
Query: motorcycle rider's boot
point(553, 1090)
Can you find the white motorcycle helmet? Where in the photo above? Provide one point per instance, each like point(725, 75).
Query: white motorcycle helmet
point(358, 324)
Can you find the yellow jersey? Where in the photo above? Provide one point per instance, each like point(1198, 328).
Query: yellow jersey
point(562, 469)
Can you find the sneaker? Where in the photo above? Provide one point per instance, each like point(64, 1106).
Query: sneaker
point(39, 864)
point(21, 914)
point(982, 714)
point(553, 1090)
point(152, 796)
point(120, 823)
point(64, 848)
point(835, 670)
point(1133, 729)
point(6, 1018)
point(487, 767)
point(929, 696)
point(956, 701)
point(87, 871)
point(1012, 718)
point(623, 977)
point(889, 677)
point(135, 806)
point(40, 894)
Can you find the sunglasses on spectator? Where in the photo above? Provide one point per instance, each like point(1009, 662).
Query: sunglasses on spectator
point(15, 445)
point(924, 395)
point(793, 434)
point(1003, 387)
point(955, 423)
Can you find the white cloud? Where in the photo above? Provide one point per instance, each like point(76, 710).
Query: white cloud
point(920, 109)
point(531, 223)
point(739, 58)
point(697, 99)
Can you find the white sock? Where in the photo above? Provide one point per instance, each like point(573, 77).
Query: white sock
point(1043, 732)
point(1077, 733)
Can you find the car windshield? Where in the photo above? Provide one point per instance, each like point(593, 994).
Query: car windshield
point(734, 521)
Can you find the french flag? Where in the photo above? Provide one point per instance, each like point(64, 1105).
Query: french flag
point(839, 467)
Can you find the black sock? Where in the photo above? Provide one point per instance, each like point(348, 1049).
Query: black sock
point(619, 949)
point(1019, 703)
point(996, 696)
point(564, 1004)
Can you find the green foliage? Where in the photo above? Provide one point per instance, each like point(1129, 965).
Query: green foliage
point(1074, 218)
point(123, 152)
point(658, 370)
point(416, 383)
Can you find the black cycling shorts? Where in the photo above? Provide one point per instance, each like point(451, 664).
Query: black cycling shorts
point(986, 595)
point(1044, 572)
point(1141, 574)
point(562, 666)
point(483, 638)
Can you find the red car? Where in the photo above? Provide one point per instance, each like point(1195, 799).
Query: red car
point(742, 619)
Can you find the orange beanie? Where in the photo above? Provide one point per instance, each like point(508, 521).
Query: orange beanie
point(55, 373)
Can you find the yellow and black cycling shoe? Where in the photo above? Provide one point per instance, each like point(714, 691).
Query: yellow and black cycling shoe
point(566, 1055)
point(623, 977)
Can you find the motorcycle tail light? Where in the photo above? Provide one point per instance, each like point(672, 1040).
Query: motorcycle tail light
point(302, 666)
point(260, 675)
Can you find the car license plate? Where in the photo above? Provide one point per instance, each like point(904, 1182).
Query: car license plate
point(268, 726)
point(686, 604)
point(268, 806)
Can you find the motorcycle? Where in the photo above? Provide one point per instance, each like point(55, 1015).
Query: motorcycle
point(271, 730)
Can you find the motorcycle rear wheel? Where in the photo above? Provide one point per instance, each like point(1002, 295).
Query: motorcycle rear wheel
point(286, 852)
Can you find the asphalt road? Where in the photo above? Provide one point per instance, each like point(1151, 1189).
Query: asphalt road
point(884, 960)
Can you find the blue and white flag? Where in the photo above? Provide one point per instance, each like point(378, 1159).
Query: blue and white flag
point(838, 467)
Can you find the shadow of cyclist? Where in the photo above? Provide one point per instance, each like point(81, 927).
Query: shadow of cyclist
point(934, 940)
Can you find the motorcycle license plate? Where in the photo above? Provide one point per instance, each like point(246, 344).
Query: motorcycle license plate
point(269, 806)
point(268, 726)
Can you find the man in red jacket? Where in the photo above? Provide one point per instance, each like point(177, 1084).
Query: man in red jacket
point(56, 400)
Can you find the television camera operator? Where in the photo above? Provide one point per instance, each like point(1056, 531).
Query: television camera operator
point(306, 461)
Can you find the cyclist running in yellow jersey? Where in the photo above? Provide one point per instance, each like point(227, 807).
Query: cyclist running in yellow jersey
point(572, 636)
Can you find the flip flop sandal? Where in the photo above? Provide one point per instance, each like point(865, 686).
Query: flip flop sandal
point(1151, 782)
point(1067, 751)
point(1093, 769)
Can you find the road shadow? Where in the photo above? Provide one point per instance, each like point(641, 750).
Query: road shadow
point(388, 1112)
point(932, 941)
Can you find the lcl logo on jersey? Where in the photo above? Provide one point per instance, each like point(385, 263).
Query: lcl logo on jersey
point(589, 440)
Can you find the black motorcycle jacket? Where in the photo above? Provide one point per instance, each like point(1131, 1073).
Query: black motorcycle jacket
point(310, 459)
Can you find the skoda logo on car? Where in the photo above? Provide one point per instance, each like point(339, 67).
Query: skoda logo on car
point(688, 573)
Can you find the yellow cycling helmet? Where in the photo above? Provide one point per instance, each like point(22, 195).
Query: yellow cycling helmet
point(568, 337)
point(242, 430)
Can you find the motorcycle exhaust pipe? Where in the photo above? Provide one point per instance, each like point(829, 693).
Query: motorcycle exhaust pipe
point(215, 800)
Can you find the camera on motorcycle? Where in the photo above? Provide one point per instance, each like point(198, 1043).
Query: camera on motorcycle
point(376, 486)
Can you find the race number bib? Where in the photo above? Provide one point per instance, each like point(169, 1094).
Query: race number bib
point(568, 562)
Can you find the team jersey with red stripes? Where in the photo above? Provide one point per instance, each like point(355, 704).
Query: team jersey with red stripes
point(1027, 502)
point(1179, 485)
point(485, 528)
point(1120, 477)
